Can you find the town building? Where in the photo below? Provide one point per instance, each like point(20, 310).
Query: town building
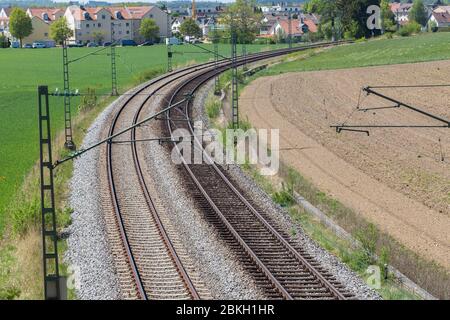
point(108, 24)
point(4, 21)
point(401, 11)
point(281, 7)
point(440, 18)
point(41, 19)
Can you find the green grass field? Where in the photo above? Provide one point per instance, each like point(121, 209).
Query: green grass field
point(22, 70)
point(426, 47)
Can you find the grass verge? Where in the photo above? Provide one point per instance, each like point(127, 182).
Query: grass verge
point(20, 247)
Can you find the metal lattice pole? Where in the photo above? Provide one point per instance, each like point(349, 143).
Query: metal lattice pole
point(234, 82)
point(169, 57)
point(216, 59)
point(69, 144)
point(244, 55)
point(114, 91)
point(169, 45)
point(52, 290)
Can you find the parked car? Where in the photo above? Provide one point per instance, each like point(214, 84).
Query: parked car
point(173, 41)
point(128, 43)
point(107, 44)
point(27, 46)
point(39, 45)
point(75, 45)
point(147, 43)
point(92, 45)
point(15, 44)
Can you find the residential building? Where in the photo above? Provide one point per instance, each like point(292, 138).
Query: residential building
point(299, 27)
point(89, 24)
point(281, 7)
point(113, 23)
point(4, 21)
point(440, 17)
point(401, 11)
point(41, 19)
point(152, 12)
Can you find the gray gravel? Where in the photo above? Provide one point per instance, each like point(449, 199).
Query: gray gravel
point(88, 253)
point(346, 276)
point(220, 272)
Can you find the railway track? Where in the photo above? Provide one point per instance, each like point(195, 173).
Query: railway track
point(158, 269)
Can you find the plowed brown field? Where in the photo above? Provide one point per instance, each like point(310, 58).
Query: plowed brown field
point(395, 177)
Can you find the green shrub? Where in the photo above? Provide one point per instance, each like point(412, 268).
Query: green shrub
point(149, 74)
point(88, 101)
point(409, 29)
point(213, 107)
point(368, 236)
point(285, 197)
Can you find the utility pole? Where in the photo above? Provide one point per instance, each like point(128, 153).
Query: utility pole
point(234, 81)
point(289, 29)
point(169, 45)
point(52, 289)
point(333, 31)
point(69, 144)
point(113, 64)
point(216, 58)
point(244, 54)
point(398, 20)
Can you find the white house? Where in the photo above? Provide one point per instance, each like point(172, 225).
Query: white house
point(440, 17)
point(4, 21)
point(401, 11)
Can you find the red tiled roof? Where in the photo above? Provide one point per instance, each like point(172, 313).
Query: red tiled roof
point(443, 17)
point(139, 12)
point(296, 26)
point(123, 11)
point(40, 12)
point(79, 12)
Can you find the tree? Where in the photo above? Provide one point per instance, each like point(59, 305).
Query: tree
point(387, 16)
point(20, 24)
point(98, 36)
point(3, 41)
point(349, 15)
point(149, 29)
point(60, 31)
point(246, 20)
point(190, 28)
point(418, 13)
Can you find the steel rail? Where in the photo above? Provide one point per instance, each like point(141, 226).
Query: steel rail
point(125, 241)
point(129, 252)
point(224, 220)
point(130, 257)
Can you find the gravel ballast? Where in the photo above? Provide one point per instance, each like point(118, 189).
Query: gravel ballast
point(88, 253)
point(346, 276)
point(88, 250)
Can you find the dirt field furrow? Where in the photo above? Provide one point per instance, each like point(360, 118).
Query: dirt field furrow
point(398, 179)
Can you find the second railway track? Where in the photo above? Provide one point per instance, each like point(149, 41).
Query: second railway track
point(158, 270)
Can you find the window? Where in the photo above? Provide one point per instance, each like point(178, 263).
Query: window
point(128, 32)
point(87, 25)
point(127, 24)
point(151, 16)
point(103, 17)
point(46, 34)
point(99, 25)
